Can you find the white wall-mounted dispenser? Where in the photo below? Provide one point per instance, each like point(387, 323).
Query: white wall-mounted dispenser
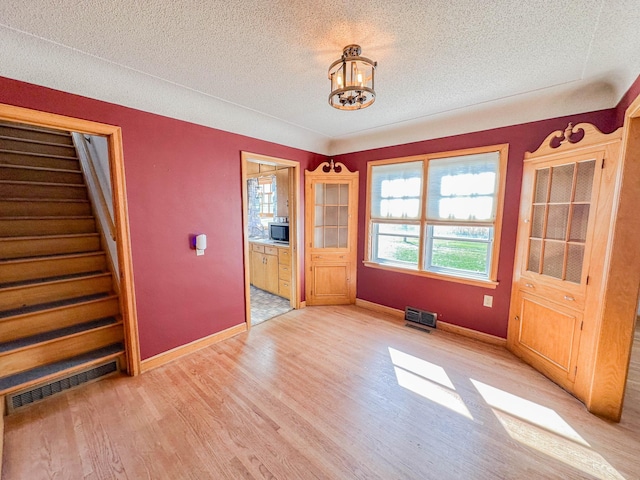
point(201, 244)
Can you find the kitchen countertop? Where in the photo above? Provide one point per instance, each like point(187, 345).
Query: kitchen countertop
point(266, 241)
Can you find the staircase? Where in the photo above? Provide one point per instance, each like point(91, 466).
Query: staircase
point(60, 321)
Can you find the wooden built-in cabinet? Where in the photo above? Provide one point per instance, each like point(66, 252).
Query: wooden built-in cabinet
point(270, 268)
point(284, 272)
point(564, 233)
point(257, 168)
point(331, 206)
point(282, 189)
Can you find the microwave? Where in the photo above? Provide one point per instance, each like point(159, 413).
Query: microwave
point(279, 232)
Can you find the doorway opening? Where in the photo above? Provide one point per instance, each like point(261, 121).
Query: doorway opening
point(270, 189)
point(114, 165)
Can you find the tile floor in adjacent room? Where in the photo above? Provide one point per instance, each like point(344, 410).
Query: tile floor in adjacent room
point(265, 305)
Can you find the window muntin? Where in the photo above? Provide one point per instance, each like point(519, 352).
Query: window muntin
point(266, 196)
point(560, 218)
point(438, 214)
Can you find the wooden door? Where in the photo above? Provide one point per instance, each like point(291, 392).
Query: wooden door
point(331, 216)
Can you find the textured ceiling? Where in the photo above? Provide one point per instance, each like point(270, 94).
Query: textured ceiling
point(259, 67)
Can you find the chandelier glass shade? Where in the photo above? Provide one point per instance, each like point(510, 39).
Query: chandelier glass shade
point(352, 76)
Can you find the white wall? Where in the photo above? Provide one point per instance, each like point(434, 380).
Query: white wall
point(93, 152)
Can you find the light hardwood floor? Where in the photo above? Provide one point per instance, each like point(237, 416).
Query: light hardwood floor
point(329, 393)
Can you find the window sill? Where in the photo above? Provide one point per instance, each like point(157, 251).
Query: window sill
point(438, 276)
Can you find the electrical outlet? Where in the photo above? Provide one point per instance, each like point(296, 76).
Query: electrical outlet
point(488, 301)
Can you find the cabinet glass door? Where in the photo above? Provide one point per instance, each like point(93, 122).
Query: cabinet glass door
point(559, 220)
point(331, 219)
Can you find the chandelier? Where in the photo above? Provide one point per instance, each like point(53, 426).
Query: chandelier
point(352, 80)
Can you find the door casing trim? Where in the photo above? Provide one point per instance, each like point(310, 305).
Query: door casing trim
point(295, 240)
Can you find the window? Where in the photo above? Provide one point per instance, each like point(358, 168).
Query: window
point(265, 193)
point(438, 215)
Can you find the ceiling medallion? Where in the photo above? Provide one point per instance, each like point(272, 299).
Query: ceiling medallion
point(352, 80)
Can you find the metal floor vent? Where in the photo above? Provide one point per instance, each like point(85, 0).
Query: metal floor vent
point(420, 318)
point(26, 397)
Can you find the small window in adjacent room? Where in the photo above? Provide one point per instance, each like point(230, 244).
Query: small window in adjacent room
point(266, 196)
point(438, 215)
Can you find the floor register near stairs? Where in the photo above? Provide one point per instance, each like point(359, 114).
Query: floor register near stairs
point(60, 323)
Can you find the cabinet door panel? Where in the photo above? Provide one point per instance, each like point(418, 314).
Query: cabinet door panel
point(257, 270)
point(284, 289)
point(271, 273)
point(284, 257)
point(549, 331)
point(282, 186)
point(331, 284)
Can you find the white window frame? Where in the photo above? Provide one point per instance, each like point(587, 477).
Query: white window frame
point(424, 265)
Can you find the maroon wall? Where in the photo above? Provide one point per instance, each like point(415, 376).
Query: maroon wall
point(182, 179)
point(458, 303)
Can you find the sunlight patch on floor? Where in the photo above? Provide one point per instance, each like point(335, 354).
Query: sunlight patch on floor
point(543, 429)
point(425, 369)
point(529, 411)
point(427, 380)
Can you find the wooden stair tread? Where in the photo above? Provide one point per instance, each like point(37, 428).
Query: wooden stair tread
point(55, 334)
point(30, 377)
point(49, 267)
point(39, 293)
point(34, 323)
point(47, 207)
point(61, 217)
point(36, 259)
point(38, 199)
point(42, 184)
point(30, 245)
point(42, 237)
point(41, 307)
point(35, 142)
point(11, 227)
point(34, 281)
point(39, 169)
point(34, 128)
point(35, 154)
point(49, 279)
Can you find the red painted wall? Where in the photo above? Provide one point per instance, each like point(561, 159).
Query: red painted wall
point(457, 303)
point(181, 179)
point(184, 179)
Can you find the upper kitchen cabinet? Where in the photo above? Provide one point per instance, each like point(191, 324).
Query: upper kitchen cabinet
point(282, 192)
